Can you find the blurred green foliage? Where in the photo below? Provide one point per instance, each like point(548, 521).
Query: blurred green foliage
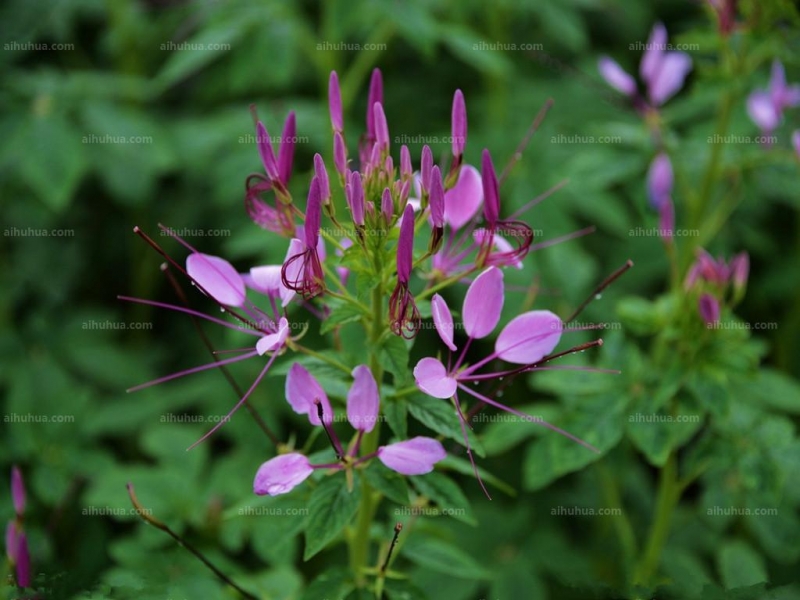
point(63, 168)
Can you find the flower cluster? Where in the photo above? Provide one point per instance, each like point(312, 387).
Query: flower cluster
point(664, 73)
point(717, 282)
point(452, 212)
point(16, 539)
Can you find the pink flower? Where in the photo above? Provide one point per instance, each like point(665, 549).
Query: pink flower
point(412, 457)
point(766, 107)
point(281, 474)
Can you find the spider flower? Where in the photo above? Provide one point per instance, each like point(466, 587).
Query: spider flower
point(526, 341)
point(766, 107)
point(305, 395)
point(302, 272)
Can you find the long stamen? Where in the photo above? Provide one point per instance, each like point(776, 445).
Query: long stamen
point(337, 446)
point(599, 289)
point(191, 312)
point(242, 401)
point(463, 422)
point(517, 156)
point(530, 418)
point(205, 367)
point(540, 198)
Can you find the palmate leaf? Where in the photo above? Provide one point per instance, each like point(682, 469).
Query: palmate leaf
point(447, 496)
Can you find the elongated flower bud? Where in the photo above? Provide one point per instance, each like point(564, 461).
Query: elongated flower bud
point(322, 176)
point(381, 128)
point(405, 246)
point(436, 204)
point(375, 96)
point(286, 149)
point(709, 309)
point(339, 154)
point(335, 103)
point(387, 205)
point(491, 194)
point(356, 198)
point(659, 180)
point(18, 491)
point(459, 124)
point(425, 169)
point(266, 152)
point(407, 171)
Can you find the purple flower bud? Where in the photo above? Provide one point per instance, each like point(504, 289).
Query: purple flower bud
point(405, 246)
point(796, 142)
point(387, 205)
point(709, 309)
point(11, 540)
point(266, 153)
point(412, 457)
point(659, 180)
point(335, 103)
point(740, 270)
point(286, 149)
point(381, 128)
point(491, 194)
point(458, 119)
point(23, 561)
point(405, 189)
point(437, 198)
point(425, 169)
point(281, 474)
point(375, 95)
point(363, 400)
point(406, 170)
point(322, 176)
point(313, 214)
point(356, 198)
point(616, 77)
point(388, 164)
point(339, 154)
point(18, 491)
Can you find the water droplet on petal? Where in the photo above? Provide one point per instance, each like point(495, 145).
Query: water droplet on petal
point(221, 309)
point(598, 296)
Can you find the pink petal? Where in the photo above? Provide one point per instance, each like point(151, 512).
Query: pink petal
point(412, 457)
point(443, 320)
point(464, 199)
point(431, 377)
point(796, 141)
point(529, 337)
point(670, 76)
point(762, 111)
point(651, 61)
point(11, 540)
point(363, 400)
point(483, 303)
point(274, 341)
point(23, 561)
point(217, 277)
point(616, 76)
point(281, 474)
point(709, 309)
point(302, 389)
point(267, 279)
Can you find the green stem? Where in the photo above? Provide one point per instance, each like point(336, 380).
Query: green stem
point(622, 524)
point(667, 499)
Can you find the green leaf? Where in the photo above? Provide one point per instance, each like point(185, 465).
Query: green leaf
point(658, 434)
point(443, 557)
point(598, 421)
point(740, 565)
point(446, 494)
point(330, 509)
point(440, 415)
point(333, 583)
point(396, 412)
point(393, 357)
point(341, 313)
point(463, 466)
point(771, 389)
point(389, 483)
